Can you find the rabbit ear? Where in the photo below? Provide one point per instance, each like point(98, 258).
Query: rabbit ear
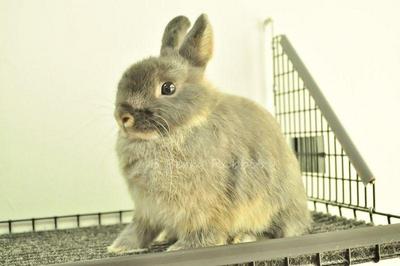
point(198, 44)
point(173, 34)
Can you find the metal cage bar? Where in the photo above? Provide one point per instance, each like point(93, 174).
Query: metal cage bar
point(334, 123)
point(55, 221)
point(333, 170)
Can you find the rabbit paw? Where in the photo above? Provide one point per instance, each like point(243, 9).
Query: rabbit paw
point(244, 238)
point(121, 246)
point(177, 246)
point(164, 237)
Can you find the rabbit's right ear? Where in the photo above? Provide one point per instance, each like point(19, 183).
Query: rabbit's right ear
point(197, 47)
point(174, 33)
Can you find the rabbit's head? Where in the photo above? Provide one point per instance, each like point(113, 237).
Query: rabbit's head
point(160, 94)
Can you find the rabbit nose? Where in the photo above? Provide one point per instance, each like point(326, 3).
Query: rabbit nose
point(127, 120)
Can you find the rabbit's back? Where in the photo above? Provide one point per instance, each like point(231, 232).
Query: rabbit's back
point(266, 179)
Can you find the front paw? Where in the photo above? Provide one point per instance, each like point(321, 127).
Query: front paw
point(193, 242)
point(164, 238)
point(122, 246)
point(243, 238)
point(177, 246)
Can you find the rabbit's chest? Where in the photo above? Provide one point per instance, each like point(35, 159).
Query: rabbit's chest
point(158, 170)
point(169, 183)
point(171, 172)
point(155, 168)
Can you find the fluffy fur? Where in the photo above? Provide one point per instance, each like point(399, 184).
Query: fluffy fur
point(203, 167)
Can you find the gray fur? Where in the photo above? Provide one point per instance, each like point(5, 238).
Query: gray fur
point(198, 44)
point(204, 166)
point(174, 33)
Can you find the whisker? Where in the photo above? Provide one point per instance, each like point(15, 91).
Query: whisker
point(160, 124)
point(163, 119)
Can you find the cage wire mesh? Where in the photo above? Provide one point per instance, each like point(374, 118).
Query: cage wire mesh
point(329, 175)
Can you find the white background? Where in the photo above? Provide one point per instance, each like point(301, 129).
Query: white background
point(60, 62)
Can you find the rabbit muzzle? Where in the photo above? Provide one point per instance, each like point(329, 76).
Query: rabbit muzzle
point(136, 122)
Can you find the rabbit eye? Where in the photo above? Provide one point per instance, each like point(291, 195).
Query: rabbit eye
point(168, 88)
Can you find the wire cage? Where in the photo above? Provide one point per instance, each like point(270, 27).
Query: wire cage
point(338, 183)
point(334, 172)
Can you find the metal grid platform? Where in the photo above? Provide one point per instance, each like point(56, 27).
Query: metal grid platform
point(90, 243)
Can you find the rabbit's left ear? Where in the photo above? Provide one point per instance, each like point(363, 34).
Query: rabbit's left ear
point(197, 47)
point(173, 34)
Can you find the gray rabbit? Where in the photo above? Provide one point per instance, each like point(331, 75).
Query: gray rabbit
point(203, 167)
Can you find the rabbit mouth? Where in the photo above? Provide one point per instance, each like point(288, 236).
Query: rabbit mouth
point(141, 135)
point(148, 127)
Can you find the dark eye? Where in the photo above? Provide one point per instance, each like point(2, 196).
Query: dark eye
point(168, 88)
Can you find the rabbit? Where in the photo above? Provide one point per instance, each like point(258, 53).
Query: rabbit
point(202, 167)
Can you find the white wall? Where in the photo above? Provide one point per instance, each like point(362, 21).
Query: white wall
point(60, 62)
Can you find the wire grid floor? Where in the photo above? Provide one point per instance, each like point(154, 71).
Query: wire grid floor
point(81, 244)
